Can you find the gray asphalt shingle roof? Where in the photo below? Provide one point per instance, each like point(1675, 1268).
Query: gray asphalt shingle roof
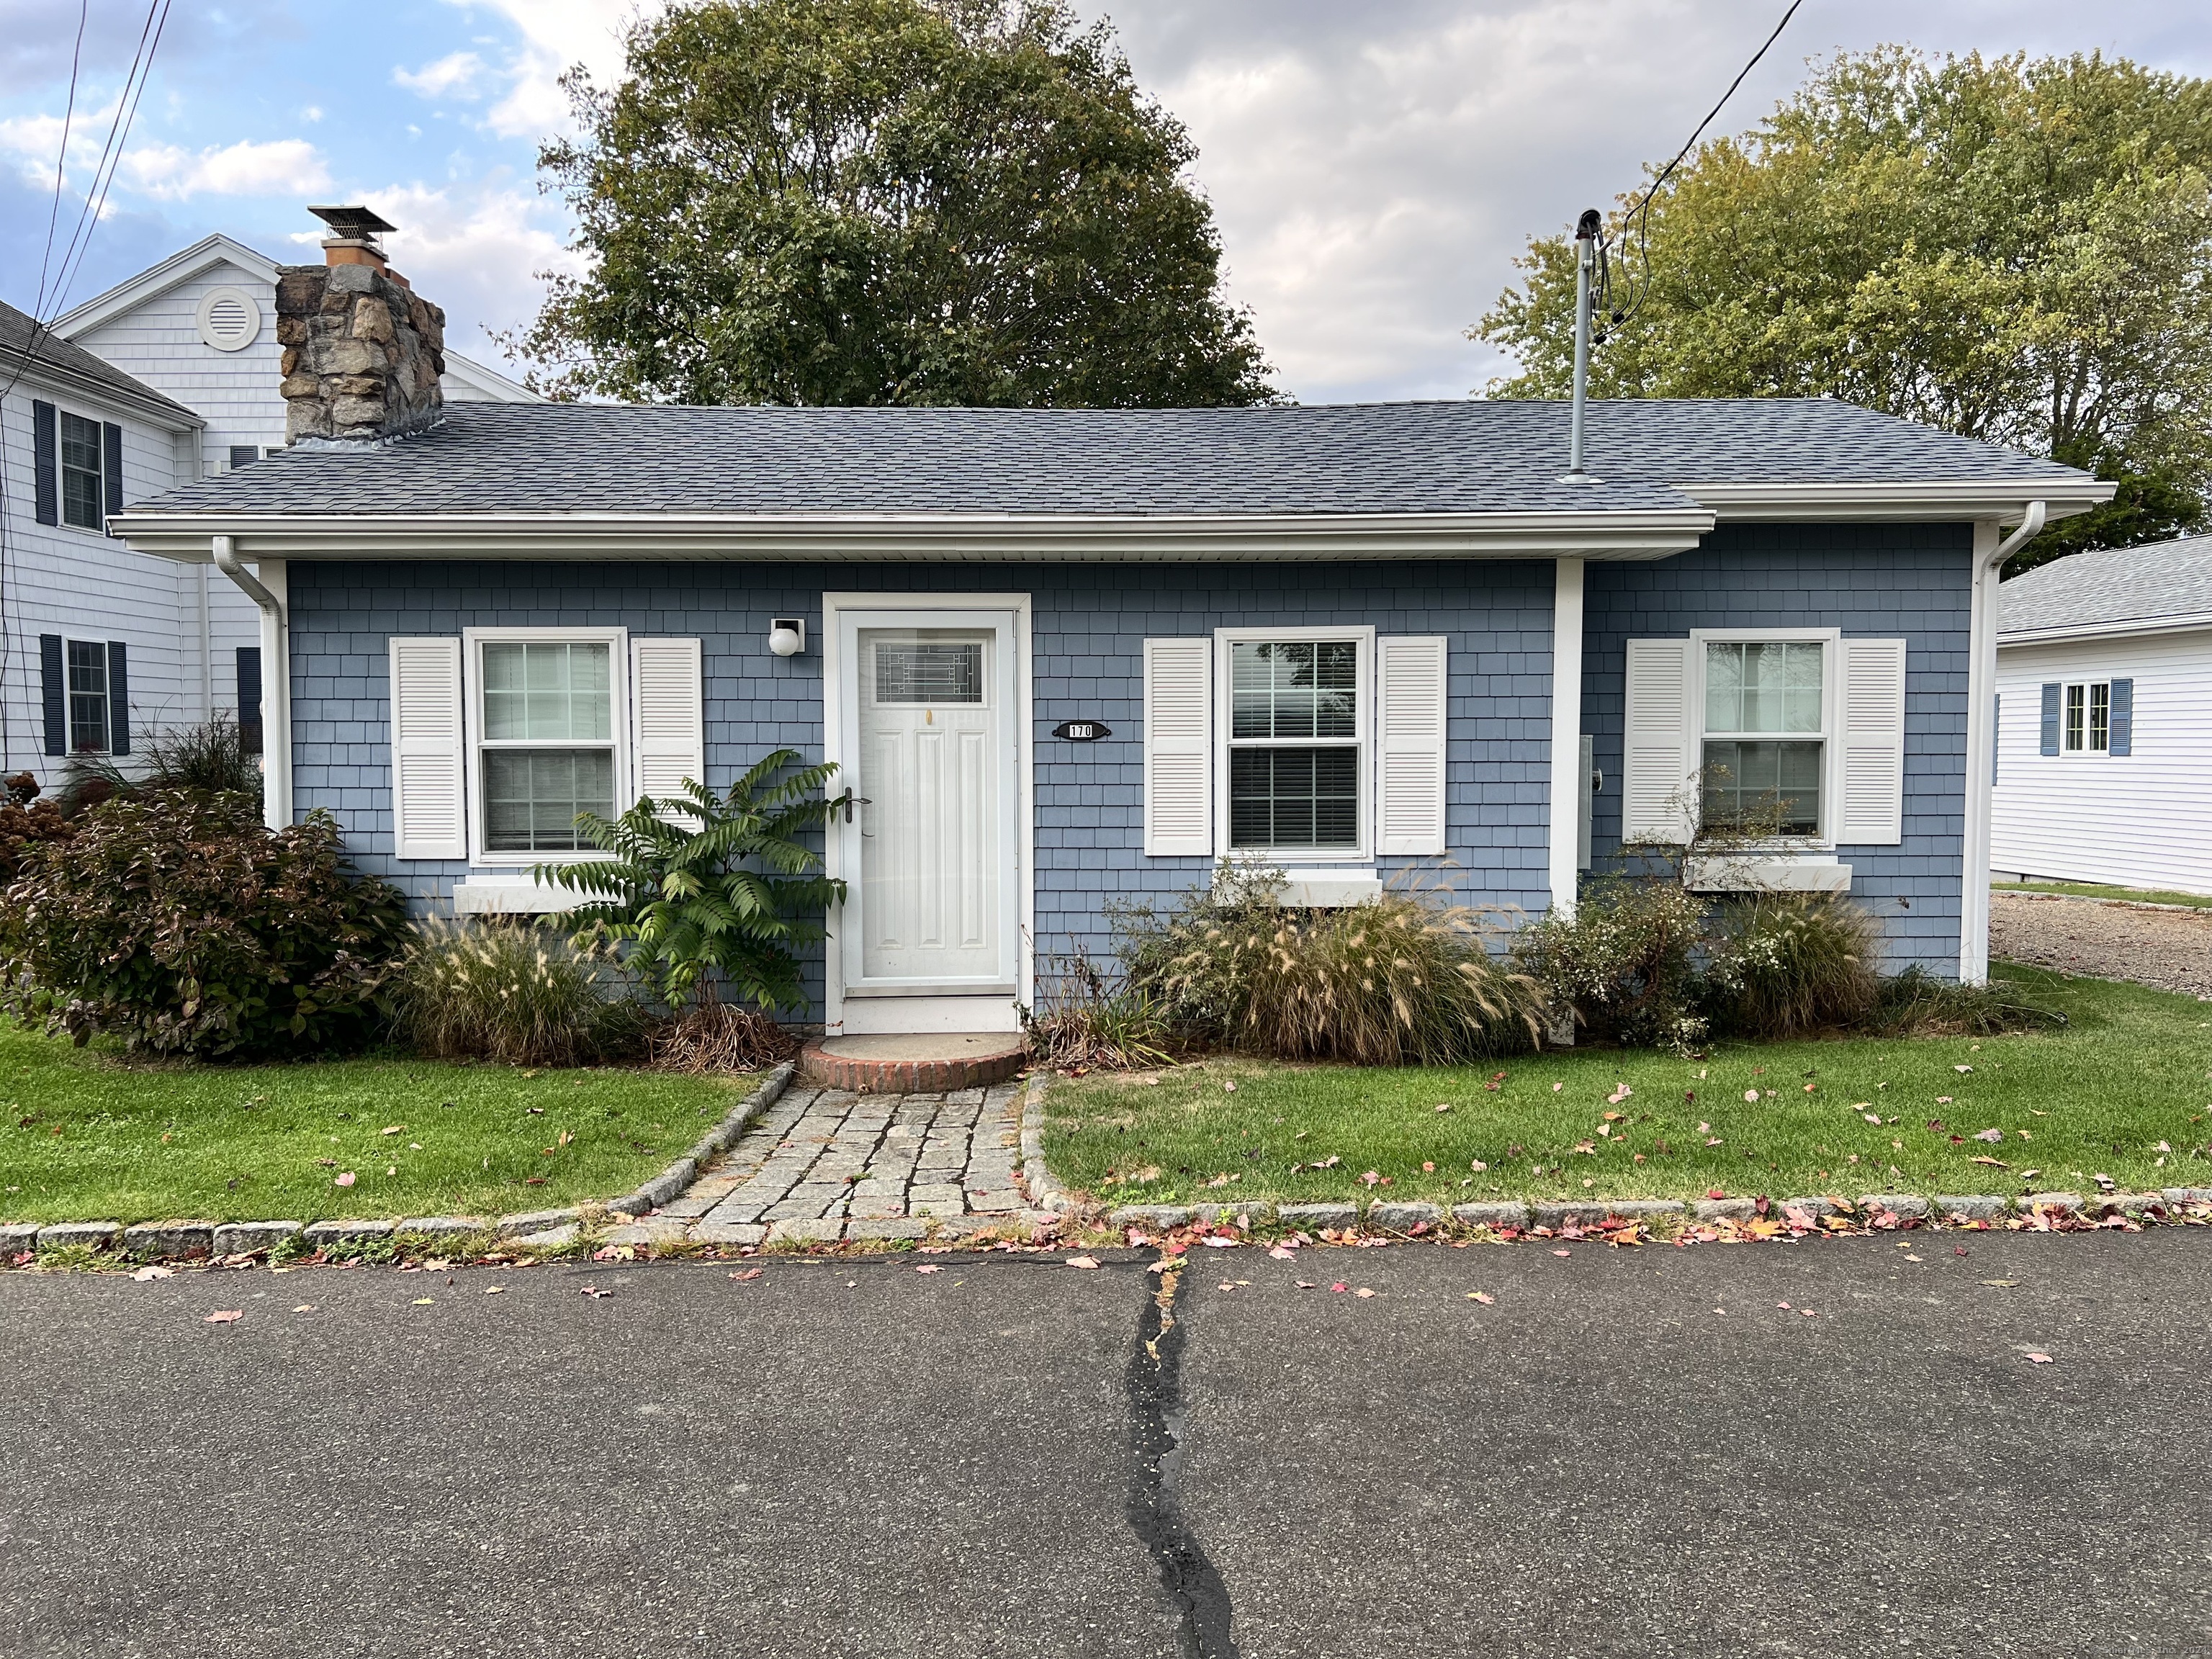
point(2116, 584)
point(1466, 456)
point(17, 331)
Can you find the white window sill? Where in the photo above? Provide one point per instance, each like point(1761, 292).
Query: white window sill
point(1767, 872)
point(519, 896)
point(1329, 890)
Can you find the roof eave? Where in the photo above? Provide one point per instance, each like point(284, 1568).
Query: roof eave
point(148, 403)
point(1961, 501)
point(158, 279)
point(2121, 628)
point(1653, 534)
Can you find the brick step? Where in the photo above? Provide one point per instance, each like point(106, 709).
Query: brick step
point(925, 1063)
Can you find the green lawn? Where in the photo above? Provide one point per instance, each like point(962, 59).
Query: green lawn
point(2131, 1072)
point(2090, 890)
point(86, 1136)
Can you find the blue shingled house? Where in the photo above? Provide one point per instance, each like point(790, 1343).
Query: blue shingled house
point(1063, 655)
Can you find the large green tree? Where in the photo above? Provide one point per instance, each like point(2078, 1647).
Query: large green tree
point(886, 201)
point(2015, 250)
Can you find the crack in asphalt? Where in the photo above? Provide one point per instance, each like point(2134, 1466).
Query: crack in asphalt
point(1155, 1420)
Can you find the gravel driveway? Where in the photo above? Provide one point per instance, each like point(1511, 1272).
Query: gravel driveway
point(2170, 950)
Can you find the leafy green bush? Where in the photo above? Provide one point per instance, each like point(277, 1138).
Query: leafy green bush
point(178, 922)
point(513, 992)
point(26, 822)
point(1402, 979)
point(1625, 962)
point(697, 914)
point(1782, 965)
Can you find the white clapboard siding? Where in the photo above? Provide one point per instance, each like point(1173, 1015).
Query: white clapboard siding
point(668, 695)
point(1178, 748)
point(1412, 705)
point(2143, 819)
point(1871, 698)
point(430, 817)
point(1659, 751)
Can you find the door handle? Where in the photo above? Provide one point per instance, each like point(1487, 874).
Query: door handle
point(848, 800)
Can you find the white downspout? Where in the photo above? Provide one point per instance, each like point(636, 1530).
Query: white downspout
point(1990, 556)
point(276, 682)
point(1565, 841)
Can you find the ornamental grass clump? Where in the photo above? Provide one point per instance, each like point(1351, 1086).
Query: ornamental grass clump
point(513, 992)
point(1084, 1018)
point(1405, 978)
point(1784, 964)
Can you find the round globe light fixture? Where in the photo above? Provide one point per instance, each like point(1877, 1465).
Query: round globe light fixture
point(786, 635)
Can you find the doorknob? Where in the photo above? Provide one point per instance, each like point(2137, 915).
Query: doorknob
point(848, 800)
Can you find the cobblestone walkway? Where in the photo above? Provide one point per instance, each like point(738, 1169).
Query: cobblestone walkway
point(825, 1164)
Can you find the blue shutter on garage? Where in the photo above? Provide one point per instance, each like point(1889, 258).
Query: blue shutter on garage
point(2050, 692)
point(118, 698)
point(47, 461)
point(53, 693)
point(2120, 734)
point(249, 697)
point(110, 456)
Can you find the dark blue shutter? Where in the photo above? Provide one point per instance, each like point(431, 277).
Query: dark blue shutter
point(118, 698)
point(53, 690)
point(2051, 695)
point(46, 461)
point(110, 455)
point(249, 698)
point(2120, 735)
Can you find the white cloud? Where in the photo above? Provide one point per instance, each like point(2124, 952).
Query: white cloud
point(556, 35)
point(282, 167)
point(312, 113)
point(454, 75)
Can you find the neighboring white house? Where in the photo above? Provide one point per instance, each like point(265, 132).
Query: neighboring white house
point(201, 328)
point(2104, 719)
point(91, 647)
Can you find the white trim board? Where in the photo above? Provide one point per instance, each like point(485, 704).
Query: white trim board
point(984, 1011)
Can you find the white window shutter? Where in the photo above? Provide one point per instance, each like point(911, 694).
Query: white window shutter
point(1871, 698)
point(1178, 748)
point(1660, 755)
point(1412, 703)
point(668, 695)
point(429, 819)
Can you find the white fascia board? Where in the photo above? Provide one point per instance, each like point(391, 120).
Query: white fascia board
point(2003, 499)
point(923, 537)
point(484, 377)
point(2127, 628)
point(155, 280)
point(45, 373)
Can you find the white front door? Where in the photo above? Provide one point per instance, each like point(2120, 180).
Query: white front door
point(931, 855)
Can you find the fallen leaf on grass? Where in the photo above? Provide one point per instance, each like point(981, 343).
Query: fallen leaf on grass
point(1994, 1162)
point(1990, 1135)
point(1962, 1069)
point(394, 1129)
point(1230, 1086)
point(224, 1317)
point(1446, 1107)
point(1942, 1100)
point(1483, 1297)
point(1371, 1178)
point(1556, 1087)
point(1871, 1117)
point(1751, 1094)
point(346, 1179)
point(150, 1272)
point(1092, 1260)
point(755, 1272)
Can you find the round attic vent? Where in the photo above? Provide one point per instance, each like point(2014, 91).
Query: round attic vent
point(230, 319)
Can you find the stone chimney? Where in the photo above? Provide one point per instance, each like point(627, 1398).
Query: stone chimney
point(363, 351)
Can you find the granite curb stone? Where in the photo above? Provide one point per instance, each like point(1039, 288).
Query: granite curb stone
point(1724, 1209)
point(1493, 1215)
point(250, 1237)
point(1152, 1215)
point(676, 1179)
point(20, 1237)
point(1580, 1211)
point(94, 1233)
point(1045, 1190)
point(1257, 1214)
point(1402, 1217)
point(1318, 1218)
point(1975, 1206)
point(443, 1226)
point(1904, 1206)
point(549, 1238)
point(2187, 1194)
point(316, 1234)
point(154, 1240)
point(536, 1221)
point(2058, 1203)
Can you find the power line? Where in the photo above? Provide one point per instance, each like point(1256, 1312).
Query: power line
point(61, 161)
point(110, 155)
point(1638, 218)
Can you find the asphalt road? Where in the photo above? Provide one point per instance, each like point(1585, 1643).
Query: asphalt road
point(860, 1460)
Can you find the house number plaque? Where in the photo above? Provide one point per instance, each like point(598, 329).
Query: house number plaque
point(1083, 730)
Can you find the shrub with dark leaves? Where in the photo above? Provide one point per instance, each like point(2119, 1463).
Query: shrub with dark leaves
point(174, 920)
point(26, 821)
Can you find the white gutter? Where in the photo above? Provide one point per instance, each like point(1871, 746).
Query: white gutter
point(1990, 556)
point(276, 680)
point(2189, 622)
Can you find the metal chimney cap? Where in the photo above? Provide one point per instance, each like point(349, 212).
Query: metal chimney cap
point(353, 222)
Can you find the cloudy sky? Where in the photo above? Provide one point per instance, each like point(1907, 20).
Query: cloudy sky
point(1375, 166)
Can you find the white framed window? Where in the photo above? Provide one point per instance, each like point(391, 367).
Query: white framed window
point(1293, 728)
point(84, 473)
point(2088, 720)
point(548, 738)
point(1764, 737)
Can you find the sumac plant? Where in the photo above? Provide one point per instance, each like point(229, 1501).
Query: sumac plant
point(177, 921)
